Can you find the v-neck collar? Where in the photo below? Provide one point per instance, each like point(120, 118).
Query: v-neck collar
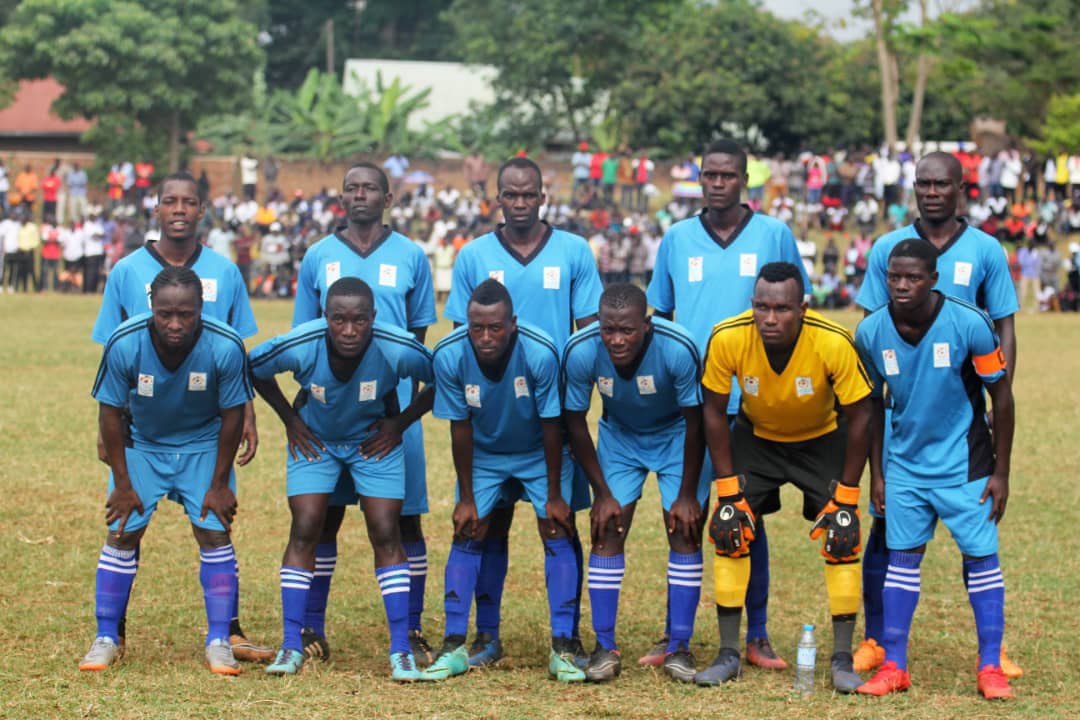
point(157, 354)
point(631, 369)
point(748, 215)
point(189, 263)
point(787, 363)
point(933, 319)
point(952, 240)
point(340, 235)
point(524, 260)
point(495, 373)
point(330, 353)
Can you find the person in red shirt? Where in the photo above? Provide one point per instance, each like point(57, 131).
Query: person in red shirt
point(50, 191)
point(50, 246)
point(114, 181)
point(596, 168)
point(144, 172)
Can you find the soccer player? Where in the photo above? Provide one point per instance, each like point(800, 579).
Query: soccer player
point(972, 267)
point(398, 273)
point(552, 277)
point(648, 373)
point(794, 368)
point(498, 385)
point(225, 298)
point(184, 378)
point(935, 353)
point(705, 272)
point(351, 367)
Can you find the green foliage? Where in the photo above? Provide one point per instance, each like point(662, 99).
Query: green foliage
point(1061, 132)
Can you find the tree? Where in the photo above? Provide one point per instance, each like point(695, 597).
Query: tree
point(150, 68)
point(1061, 132)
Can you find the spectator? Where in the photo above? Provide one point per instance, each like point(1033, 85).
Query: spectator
point(1030, 267)
point(1049, 278)
point(93, 233)
point(625, 176)
point(610, 168)
point(73, 248)
point(9, 245)
point(29, 242)
point(249, 176)
point(76, 193)
point(757, 171)
point(5, 188)
point(144, 174)
point(50, 191)
point(26, 185)
point(396, 166)
point(581, 162)
point(643, 171)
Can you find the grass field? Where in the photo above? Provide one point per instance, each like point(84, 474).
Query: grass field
point(51, 530)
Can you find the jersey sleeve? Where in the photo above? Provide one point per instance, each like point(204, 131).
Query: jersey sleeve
point(587, 289)
point(718, 364)
point(449, 393)
point(241, 317)
point(306, 304)
point(110, 314)
point(544, 366)
point(986, 353)
point(685, 367)
point(114, 380)
point(864, 346)
point(873, 292)
point(461, 287)
point(276, 355)
point(661, 292)
point(420, 307)
point(577, 379)
point(414, 362)
point(999, 293)
point(850, 380)
point(233, 376)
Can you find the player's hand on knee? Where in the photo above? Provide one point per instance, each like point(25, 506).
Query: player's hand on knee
point(222, 502)
point(386, 435)
point(606, 509)
point(732, 526)
point(466, 520)
point(839, 522)
point(997, 487)
point(121, 503)
point(302, 442)
point(686, 516)
point(558, 513)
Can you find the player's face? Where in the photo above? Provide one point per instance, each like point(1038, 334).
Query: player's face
point(363, 196)
point(937, 190)
point(176, 310)
point(722, 180)
point(909, 282)
point(349, 323)
point(778, 313)
point(490, 330)
point(623, 332)
point(179, 210)
point(520, 198)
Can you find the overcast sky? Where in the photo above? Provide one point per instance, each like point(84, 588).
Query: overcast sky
point(838, 12)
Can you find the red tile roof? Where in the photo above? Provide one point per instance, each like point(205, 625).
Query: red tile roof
point(30, 113)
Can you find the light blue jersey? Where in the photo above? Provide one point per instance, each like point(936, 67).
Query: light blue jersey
point(176, 411)
point(972, 266)
point(555, 286)
point(127, 291)
point(939, 436)
point(341, 411)
point(704, 281)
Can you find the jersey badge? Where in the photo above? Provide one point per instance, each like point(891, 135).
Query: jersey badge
point(318, 392)
point(146, 385)
point(748, 265)
point(387, 275)
point(148, 303)
point(889, 358)
point(696, 268)
point(521, 387)
point(750, 385)
point(472, 395)
point(209, 290)
point(962, 274)
point(368, 390)
point(333, 273)
point(196, 382)
point(803, 386)
point(497, 276)
point(941, 355)
point(551, 278)
point(606, 386)
point(646, 385)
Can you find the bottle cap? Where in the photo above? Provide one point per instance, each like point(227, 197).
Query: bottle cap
point(808, 627)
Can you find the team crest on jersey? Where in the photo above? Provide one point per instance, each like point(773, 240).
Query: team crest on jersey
point(472, 395)
point(146, 385)
point(387, 275)
point(551, 278)
point(750, 385)
point(368, 390)
point(803, 386)
point(318, 392)
point(962, 274)
point(497, 276)
point(333, 273)
point(606, 386)
point(941, 355)
point(892, 367)
point(521, 387)
point(646, 385)
point(148, 303)
point(695, 269)
point(209, 290)
point(748, 265)
point(196, 382)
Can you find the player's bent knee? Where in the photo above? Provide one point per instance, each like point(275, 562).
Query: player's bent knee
point(125, 541)
point(209, 539)
point(843, 583)
point(335, 515)
point(411, 529)
point(731, 576)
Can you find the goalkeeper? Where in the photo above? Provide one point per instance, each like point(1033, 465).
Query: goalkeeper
point(795, 368)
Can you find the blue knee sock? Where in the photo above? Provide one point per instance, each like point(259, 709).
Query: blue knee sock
point(417, 555)
point(462, 571)
point(489, 585)
point(986, 590)
point(757, 592)
point(875, 559)
point(579, 558)
point(295, 584)
point(900, 596)
point(394, 584)
point(684, 592)
point(319, 594)
point(605, 582)
point(115, 574)
point(234, 602)
point(217, 574)
point(560, 576)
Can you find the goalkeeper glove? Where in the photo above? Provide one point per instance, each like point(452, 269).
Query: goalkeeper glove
point(732, 526)
point(839, 522)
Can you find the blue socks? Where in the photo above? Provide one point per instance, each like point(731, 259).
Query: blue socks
point(295, 584)
point(684, 592)
point(560, 576)
point(757, 592)
point(986, 590)
point(489, 585)
point(900, 596)
point(579, 558)
point(115, 574)
point(416, 552)
point(217, 574)
point(394, 584)
point(875, 559)
point(319, 594)
point(462, 571)
point(605, 582)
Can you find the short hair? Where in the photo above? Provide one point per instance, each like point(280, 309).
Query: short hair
point(520, 163)
point(778, 272)
point(182, 176)
point(624, 295)
point(350, 287)
point(726, 147)
point(916, 248)
point(176, 276)
point(384, 182)
point(956, 170)
point(492, 292)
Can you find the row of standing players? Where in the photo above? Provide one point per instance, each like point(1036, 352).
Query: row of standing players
point(710, 267)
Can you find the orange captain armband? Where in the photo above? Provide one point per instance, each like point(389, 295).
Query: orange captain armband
point(846, 494)
point(990, 363)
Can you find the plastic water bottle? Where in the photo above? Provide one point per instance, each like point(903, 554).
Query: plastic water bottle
point(805, 660)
